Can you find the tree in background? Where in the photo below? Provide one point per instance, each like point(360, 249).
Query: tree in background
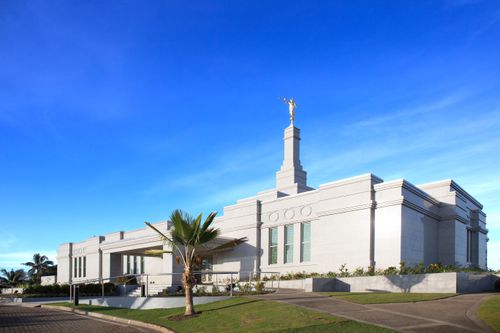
point(38, 267)
point(12, 277)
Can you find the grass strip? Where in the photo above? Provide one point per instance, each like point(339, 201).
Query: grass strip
point(489, 312)
point(381, 298)
point(239, 314)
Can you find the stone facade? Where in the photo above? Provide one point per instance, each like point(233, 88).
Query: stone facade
point(357, 222)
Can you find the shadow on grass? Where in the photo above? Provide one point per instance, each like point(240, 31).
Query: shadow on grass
point(229, 306)
point(212, 307)
point(343, 326)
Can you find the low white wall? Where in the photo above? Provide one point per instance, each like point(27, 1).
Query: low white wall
point(286, 284)
point(415, 283)
point(309, 284)
point(424, 283)
point(471, 282)
point(150, 302)
point(12, 290)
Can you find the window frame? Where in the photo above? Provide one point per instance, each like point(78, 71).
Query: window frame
point(85, 266)
point(288, 244)
point(272, 247)
point(75, 269)
point(79, 267)
point(304, 243)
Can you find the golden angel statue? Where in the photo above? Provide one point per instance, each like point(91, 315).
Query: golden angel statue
point(291, 108)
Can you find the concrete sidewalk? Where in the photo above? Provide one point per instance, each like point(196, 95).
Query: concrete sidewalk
point(455, 314)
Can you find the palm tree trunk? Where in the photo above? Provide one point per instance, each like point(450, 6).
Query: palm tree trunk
point(188, 282)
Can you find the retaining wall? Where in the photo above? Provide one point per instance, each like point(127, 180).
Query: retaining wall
point(416, 283)
point(150, 302)
point(12, 290)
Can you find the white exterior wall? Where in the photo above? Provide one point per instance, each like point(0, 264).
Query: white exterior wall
point(419, 238)
point(64, 263)
point(240, 220)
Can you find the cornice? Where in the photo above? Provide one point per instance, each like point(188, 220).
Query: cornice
point(401, 183)
point(352, 180)
point(129, 242)
point(368, 205)
point(421, 210)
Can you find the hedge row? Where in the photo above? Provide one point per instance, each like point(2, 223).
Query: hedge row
point(403, 269)
point(94, 289)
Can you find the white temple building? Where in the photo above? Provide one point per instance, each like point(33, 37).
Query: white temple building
point(360, 221)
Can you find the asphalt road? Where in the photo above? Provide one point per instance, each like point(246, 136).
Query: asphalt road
point(19, 319)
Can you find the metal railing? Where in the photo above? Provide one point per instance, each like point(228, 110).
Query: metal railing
point(212, 278)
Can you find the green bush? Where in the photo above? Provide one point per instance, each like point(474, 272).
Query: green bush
point(344, 272)
point(92, 289)
point(392, 270)
point(359, 272)
point(201, 291)
point(259, 286)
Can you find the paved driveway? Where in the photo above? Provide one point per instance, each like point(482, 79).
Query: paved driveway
point(20, 319)
point(455, 314)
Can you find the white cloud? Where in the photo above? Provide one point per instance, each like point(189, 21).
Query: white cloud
point(440, 104)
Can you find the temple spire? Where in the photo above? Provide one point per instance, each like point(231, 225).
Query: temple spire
point(291, 178)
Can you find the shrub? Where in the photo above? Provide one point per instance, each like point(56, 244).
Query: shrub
point(417, 269)
point(201, 291)
point(344, 272)
point(259, 287)
point(358, 272)
point(434, 268)
point(331, 274)
point(392, 270)
point(403, 270)
point(91, 289)
point(246, 287)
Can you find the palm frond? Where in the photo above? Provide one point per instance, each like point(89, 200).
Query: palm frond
point(208, 221)
point(157, 252)
point(208, 235)
point(162, 235)
point(230, 244)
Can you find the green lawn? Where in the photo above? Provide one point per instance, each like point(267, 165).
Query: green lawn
point(240, 314)
point(489, 312)
point(379, 298)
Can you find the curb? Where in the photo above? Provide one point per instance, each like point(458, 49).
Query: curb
point(110, 318)
point(472, 314)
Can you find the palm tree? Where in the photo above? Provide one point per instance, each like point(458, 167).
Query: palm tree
point(39, 266)
point(12, 277)
point(186, 236)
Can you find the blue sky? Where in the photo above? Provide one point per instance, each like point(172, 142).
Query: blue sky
point(117, 112)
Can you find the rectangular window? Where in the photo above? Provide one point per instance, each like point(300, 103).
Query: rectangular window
point(142, 264)
point(469, 245)
point(273, 246)
point(134, 269)
point(79, 266)
point(288, 243)
point(305, 242)
point(75, 269)
point(84, 266)
point(128, 264)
